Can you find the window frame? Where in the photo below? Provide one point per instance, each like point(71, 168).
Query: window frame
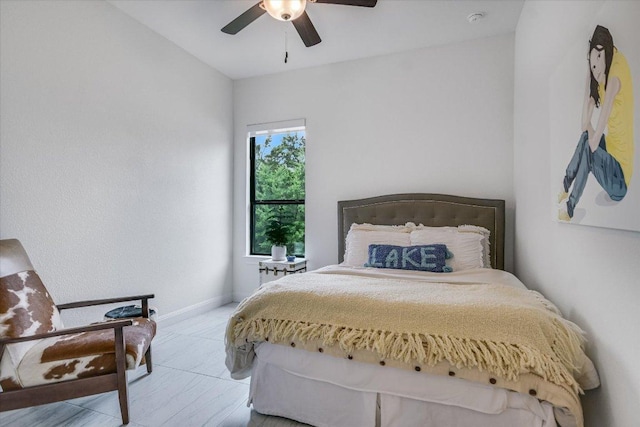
point(259, 130)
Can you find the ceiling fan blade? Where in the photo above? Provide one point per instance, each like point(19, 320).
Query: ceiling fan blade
point(245, 19)
point(307, 31)
point(364, 3)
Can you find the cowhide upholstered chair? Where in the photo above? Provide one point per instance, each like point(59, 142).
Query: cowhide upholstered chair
point(42, 362)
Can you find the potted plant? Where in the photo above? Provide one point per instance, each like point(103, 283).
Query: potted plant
point(277, 233)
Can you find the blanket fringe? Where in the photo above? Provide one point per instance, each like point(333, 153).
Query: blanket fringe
point(569, 338)
point(502, 359)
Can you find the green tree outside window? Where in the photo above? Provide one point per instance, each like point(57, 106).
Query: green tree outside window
point(278, 189)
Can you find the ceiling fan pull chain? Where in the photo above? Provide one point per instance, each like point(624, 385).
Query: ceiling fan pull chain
point(286, 51)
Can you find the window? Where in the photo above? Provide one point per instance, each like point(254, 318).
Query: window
point(277, 184)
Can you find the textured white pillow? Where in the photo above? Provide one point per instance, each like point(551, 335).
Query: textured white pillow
point(466, 247)
point(486, 249)
point(360, 236)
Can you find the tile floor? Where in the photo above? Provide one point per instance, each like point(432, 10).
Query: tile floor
point(189, 386)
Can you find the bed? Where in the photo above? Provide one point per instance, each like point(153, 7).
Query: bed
point(386, 345)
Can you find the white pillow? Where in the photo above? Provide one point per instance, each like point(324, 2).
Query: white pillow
point(486, 249)
point(466, 247)
point(360, 236)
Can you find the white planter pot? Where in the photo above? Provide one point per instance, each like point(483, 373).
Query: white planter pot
point(278, 253)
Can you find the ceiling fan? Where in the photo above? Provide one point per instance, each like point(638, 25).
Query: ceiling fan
point(289, 10)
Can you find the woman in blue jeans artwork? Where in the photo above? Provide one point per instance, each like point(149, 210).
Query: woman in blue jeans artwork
point(608, 157)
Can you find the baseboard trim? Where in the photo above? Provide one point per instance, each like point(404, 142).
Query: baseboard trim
point(193, 310)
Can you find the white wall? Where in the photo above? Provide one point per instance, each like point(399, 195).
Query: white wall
point(592, 274)
point(116, 158)
point(437, 120)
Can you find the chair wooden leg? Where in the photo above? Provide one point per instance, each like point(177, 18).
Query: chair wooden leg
point(147, 358)
point(121, 370)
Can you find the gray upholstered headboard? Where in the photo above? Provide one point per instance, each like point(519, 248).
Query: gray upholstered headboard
point(434, 210)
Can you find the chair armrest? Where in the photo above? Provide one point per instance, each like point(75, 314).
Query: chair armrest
point(88, 303)
point(112, 324)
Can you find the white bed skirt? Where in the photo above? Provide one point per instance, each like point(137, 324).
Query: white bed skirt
point(325, 391)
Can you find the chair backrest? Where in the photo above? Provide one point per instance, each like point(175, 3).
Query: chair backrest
point(26, 308)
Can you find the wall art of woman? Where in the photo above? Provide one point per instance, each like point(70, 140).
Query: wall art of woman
point(609, 157)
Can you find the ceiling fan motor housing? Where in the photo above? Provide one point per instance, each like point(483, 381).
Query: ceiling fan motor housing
point(284, 10)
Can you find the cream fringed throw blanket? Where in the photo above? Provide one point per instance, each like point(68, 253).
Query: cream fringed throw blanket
point(495, 329)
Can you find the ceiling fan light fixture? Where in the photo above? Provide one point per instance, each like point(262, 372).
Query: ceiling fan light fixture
point(284, 10)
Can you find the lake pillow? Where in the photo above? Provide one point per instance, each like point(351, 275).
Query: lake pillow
point(419, 258)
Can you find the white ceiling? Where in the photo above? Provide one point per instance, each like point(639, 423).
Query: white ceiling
point(347, 32)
